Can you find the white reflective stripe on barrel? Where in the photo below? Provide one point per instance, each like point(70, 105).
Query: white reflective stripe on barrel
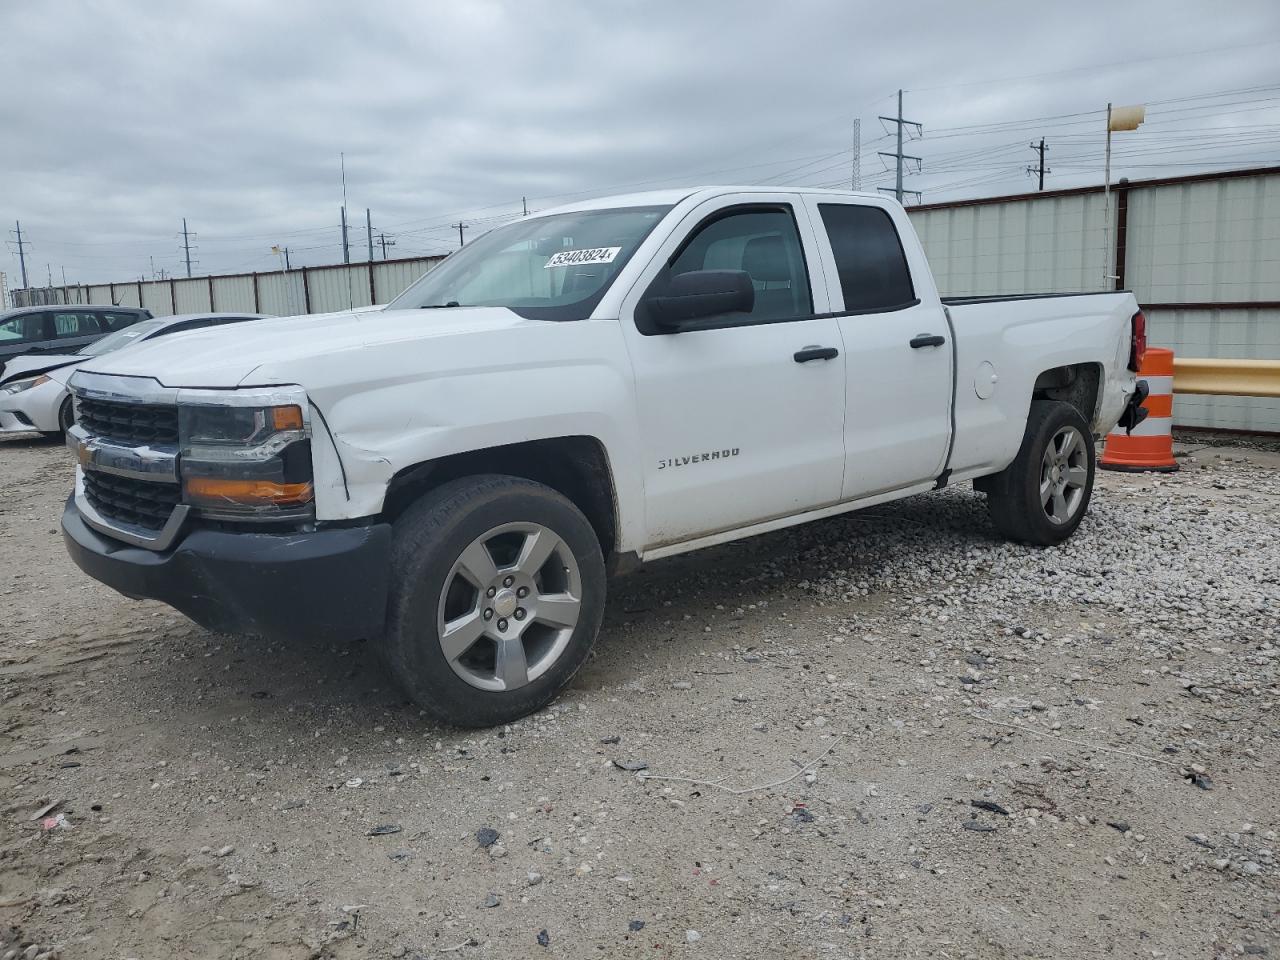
point(1159, 385)
point(1150, 427)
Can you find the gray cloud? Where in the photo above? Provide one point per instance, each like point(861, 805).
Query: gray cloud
point(120, 119)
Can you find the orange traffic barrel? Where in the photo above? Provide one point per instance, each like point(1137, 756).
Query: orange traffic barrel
point(1150, 445)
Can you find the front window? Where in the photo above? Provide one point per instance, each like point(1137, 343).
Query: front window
point(766, 246)
point(543, 268)
point(23, 328)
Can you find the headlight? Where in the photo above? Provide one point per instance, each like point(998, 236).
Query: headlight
point(246, 462)
point(20, 385)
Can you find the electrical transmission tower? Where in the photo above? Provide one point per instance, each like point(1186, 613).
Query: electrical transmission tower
point(898, 156)
point(1041, 169)
point(22, 251)
point(855, 179)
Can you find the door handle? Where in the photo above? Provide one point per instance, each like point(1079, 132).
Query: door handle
point(815, 353)
point(927, 340)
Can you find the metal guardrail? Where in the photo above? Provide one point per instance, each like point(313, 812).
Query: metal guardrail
point(1234, 378)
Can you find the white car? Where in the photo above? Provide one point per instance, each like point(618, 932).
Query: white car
point(580, 391)
point(33, 391)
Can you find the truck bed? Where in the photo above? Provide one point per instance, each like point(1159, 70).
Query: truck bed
point(1003, 297)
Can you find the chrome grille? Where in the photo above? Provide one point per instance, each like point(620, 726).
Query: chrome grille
point(130, 423)
point(141, 503)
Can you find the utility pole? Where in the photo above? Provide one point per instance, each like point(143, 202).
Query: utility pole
point(898, 155)
point(461, 226)
point(368, 226)
point(22, 252)
point(855, 178)
point(186, 244)
point(346, 250)
point(287, 265)
point(1118, 119)
point(1042, 168)
point(382, 238)
point(524, 202)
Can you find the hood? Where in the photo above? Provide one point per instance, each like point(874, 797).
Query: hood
point(32, 365)
point(266, 351)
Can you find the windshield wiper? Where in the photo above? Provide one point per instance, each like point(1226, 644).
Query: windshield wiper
point(439, 306)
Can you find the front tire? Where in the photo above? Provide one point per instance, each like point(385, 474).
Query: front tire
point(1043, 495)
point(66, 418)
point(497, 593)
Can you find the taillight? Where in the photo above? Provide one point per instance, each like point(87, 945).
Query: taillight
point(1138, 342)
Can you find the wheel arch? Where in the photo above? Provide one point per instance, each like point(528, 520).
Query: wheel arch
point(577, 467)
point(1079, 384)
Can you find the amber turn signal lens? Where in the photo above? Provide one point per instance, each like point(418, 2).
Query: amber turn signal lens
point(254, 492)
point(286, 418)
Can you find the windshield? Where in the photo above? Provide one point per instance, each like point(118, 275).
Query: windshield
point(543, 268)
point(121, 338)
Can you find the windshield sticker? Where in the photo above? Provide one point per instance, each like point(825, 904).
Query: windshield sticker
point(572, 258)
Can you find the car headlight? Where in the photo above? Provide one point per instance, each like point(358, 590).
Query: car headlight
point(246, 462)
point(18, 386)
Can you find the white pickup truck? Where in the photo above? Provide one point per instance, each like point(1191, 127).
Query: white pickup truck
point(572, 394)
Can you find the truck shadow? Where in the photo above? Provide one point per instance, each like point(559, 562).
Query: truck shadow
point(28, 441)
point(819, 561)
point(303, 692)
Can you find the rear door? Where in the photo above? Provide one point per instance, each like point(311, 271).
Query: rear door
point(736, 425)
point(73, 329)
point(897, 348)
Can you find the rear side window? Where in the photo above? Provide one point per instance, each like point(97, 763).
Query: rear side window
point(869, 258)
point(68, 324)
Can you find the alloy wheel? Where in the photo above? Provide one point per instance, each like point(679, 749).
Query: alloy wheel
point(1064, 475)
point(509, 606)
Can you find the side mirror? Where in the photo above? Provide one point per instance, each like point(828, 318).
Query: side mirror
point(701, 293)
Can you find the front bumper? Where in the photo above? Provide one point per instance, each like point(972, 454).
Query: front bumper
point(31, 410)
point(13, 421)
point(324, 585)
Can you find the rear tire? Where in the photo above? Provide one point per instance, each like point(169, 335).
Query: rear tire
point(496, 598)
point(1043, 495)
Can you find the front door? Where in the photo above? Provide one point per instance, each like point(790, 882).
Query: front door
point(738, 423)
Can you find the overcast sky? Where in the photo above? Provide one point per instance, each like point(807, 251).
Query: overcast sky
point(120, 119)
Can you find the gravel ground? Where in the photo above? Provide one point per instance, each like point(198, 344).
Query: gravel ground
point(977, 750)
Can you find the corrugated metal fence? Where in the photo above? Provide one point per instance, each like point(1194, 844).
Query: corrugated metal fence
point(304, 290)
point(1202, 254)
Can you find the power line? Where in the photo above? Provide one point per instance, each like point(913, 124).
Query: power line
point(1128, 61)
